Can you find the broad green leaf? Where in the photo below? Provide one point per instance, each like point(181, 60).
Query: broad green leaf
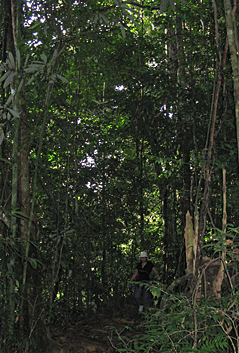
point(3, 67)
point(11, 61)
point(3, 78)
point(44, 58)
point(62, 78)
point(13, 112)
point(122, 30)
point(9, 79)
point(34, 67)
point(20, 85)
point(54, 56)
point(32, 79)
point(9, 100)
point(33, 262)
point(104, 18)
point(26, 60)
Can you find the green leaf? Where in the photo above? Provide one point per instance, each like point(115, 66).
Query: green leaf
point(26, 60)
point(11, 61)
point(104, 18)
point(32, 262)
point(20, 215)
point(3, 78)
point(34, 67)
point(9, 79)
point(63, 79)
point(13, 112)
point(44, 58)
point(32, 79)
point(36, 24)
point(54, 56)
point(5, 161)
point(95, 19)
point(20, 85)
point(9, 100)
point(3, 67)
point(122, 30)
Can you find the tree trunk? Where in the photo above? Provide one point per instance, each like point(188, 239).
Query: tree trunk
point(185, 132)
point(14, 199)
point(217, 283)
point(165, 212)
point(190, 244)
point(234, 50)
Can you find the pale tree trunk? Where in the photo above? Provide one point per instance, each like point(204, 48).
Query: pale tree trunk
point(234, 51)
point(190, 244)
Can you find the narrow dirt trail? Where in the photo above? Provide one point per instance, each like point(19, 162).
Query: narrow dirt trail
point(97, 334)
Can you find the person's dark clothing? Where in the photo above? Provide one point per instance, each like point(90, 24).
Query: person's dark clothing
point(142, 293)
point(143, 273)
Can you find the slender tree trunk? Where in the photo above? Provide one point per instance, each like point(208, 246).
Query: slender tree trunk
point(24, 176)
point(233, 41)
point(7, 227)
point(217, 283)
point(166, 238)
point(141, 197)
point(15, 175)
point(186, 135)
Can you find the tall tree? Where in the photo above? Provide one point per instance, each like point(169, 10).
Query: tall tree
point(232, 36)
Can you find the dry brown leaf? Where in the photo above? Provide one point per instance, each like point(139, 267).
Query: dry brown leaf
point(228, 330)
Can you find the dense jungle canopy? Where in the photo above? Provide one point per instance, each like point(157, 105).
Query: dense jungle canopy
point(117, 119)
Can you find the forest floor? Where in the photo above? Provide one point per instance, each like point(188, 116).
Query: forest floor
point(98, 334)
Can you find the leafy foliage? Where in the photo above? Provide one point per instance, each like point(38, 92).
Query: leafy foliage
point(183, 325)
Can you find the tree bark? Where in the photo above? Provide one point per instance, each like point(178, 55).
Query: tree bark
point(217, 283)
point(165, 212)
point(185, 134)
point(234, 50)
point(15, 174)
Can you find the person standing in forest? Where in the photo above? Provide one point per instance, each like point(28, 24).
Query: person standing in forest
point(142, 275)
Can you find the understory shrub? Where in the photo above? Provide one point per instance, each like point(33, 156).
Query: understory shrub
point(181, 324)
